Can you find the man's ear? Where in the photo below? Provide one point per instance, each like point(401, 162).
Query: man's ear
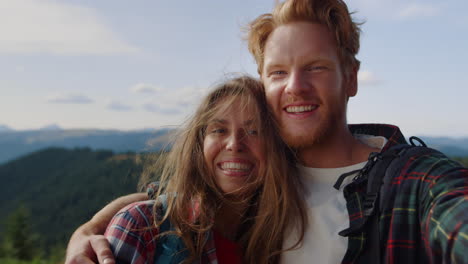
point(352, 82)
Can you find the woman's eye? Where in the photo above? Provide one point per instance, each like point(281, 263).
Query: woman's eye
point(252, 132)
point(218, 131)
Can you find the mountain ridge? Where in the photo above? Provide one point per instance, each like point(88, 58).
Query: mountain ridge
point(15, 144)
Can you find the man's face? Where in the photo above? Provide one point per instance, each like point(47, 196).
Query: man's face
point(304, 83)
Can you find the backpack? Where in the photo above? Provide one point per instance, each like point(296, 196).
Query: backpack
point(379, 171)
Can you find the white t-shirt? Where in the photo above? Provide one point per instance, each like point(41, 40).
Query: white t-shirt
point(326, 211)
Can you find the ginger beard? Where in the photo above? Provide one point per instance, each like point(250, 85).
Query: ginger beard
point(316, 132)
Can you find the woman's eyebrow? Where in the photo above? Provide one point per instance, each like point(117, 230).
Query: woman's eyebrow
point(249, 122)
point(219, 121)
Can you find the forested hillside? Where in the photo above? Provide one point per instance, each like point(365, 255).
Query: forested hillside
point(60, 189)
point(462, 160)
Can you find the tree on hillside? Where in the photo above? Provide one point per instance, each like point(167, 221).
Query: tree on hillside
point(19, 241)
point(462, 160)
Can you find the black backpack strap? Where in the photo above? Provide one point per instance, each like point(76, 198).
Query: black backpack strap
point(379, 166)
point(374, 172)
point(372, 201)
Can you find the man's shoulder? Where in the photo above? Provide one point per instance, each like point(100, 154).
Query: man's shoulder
point(423, 169)
point(432, 161)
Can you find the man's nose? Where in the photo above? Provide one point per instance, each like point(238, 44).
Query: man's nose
point(296, 84)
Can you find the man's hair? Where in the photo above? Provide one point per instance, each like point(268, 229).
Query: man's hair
point(333, 14)
point(275, 204)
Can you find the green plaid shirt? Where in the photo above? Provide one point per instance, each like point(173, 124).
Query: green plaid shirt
point(426, 220)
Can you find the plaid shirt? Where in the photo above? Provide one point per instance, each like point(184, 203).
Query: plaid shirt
point(133, 238)
point(426, 221)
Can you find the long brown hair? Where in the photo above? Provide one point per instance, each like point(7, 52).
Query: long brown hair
point(275, 206)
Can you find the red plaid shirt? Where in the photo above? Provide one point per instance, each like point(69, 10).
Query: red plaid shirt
point(133, 238)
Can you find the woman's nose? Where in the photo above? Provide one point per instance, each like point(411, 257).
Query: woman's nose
point(235, 142)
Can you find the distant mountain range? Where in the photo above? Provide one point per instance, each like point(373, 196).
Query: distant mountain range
point(14, 144)
point(454, 147)
point(5, 128)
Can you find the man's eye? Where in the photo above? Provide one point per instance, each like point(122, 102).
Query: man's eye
point(278, 73)
point(316, 68)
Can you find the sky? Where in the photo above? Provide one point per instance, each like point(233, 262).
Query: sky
point(128, 65)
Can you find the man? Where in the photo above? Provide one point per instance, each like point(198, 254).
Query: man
point(305, 51)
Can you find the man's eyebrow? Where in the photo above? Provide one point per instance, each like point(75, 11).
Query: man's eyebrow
point(278, 65)
point(273, 66)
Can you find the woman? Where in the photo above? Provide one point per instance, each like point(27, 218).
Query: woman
point(229, 188)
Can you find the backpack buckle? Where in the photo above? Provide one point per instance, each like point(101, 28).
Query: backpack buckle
point(369, 203)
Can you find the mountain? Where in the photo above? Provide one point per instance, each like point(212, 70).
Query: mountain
point(63, 188)
point(454, 147)
point(14, 144)
point(4, 128)
point(51, 127)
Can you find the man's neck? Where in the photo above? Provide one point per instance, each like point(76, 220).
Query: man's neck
point(338, 151)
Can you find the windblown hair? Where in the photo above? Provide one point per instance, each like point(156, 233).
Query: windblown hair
point(333, 14)
point(274, 207)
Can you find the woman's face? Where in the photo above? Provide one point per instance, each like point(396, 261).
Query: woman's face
point(232, 148)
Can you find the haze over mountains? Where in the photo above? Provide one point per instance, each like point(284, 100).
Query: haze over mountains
point(5, 128)
point(16, 143)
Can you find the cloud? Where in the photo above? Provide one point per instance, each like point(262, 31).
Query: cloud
point(418, 10)
point(145, 88)
point(162, 109)
point(47, 26)
point(189, 95)
point(69, 99)
point(368, 78)
point(120, 107)
point(167, 101)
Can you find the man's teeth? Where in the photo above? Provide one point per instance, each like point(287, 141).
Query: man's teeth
point(300, 109)
point(235, 166)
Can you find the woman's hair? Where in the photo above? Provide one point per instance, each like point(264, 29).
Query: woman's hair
point(331, 13)
point(276, 204)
